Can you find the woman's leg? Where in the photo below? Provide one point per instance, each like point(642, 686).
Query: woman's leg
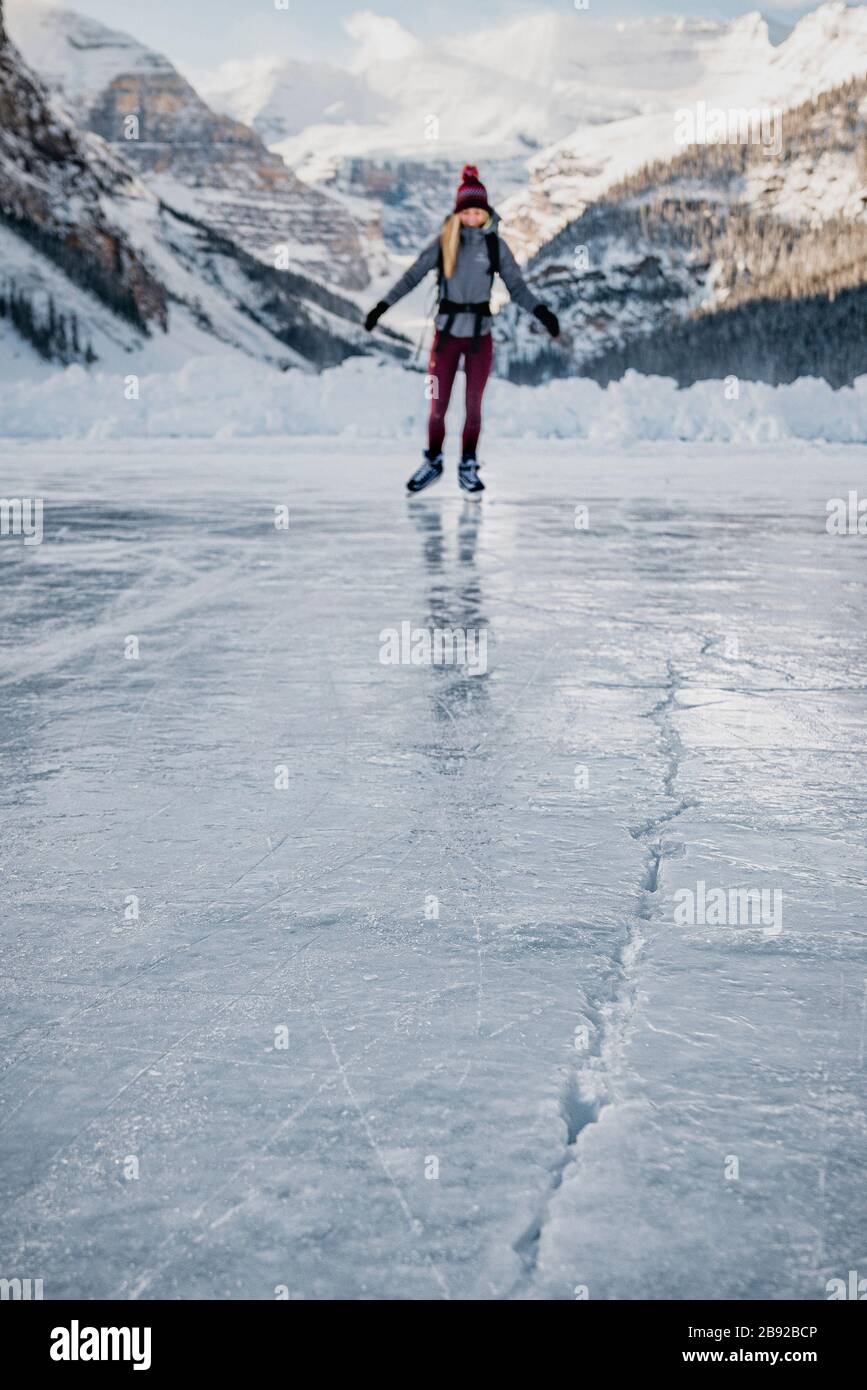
point(444, 358)
point(477, 365)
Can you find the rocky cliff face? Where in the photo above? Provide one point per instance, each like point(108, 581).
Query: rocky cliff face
point(93, 264)
point(207, 165)
point(52, 183)
point(725, 261)
point(743, 64)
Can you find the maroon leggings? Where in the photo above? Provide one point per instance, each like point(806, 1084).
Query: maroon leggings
point(444, 360)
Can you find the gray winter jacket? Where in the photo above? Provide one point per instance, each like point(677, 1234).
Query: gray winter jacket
point(471, 282)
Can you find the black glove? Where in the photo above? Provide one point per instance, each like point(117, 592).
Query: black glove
point(549, 319)
point(374, 316)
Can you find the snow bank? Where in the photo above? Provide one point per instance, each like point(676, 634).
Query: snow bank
point(227, 397)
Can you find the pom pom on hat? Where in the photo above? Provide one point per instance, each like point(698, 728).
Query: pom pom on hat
point(471, 191)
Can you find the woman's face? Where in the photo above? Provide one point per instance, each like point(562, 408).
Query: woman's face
point(473, 217)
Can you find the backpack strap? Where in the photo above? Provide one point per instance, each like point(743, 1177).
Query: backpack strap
point(493, 242)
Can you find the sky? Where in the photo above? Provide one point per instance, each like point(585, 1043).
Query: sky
point(200, 34)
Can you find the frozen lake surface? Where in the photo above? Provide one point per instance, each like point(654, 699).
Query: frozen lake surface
point(329, 977)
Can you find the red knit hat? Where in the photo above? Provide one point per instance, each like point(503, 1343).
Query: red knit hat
point(471, 192)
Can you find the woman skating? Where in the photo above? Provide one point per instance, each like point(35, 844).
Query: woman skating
point(467, 254)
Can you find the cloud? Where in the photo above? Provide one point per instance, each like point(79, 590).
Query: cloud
point(380, 39)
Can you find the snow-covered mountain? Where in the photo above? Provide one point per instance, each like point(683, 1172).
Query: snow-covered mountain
point(69, 270)
point(399, 99)
point(208, 165)
point(501, 92)
point(741, 64)
point(94, 266)
point(722, 261)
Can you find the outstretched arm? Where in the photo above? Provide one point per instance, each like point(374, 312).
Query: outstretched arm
point(416, 272)
point(514, 280)
point(521, 292)
point(408, 281)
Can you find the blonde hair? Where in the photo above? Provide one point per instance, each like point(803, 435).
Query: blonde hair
point(450, 241)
